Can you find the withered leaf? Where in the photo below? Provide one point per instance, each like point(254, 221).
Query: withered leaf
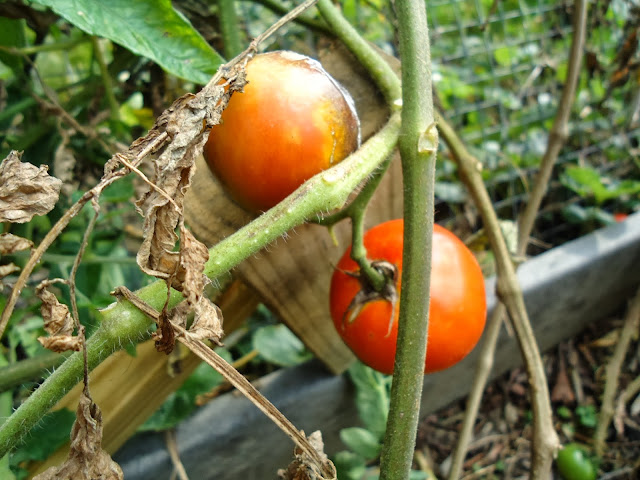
point(10, 243)
point(186, 123)
point(164, 336)
point(304, 468)
point(207, 324)
point(87, 460)
point(25, 190)
point(57, 323)
point(8, 269)
point(194, 255)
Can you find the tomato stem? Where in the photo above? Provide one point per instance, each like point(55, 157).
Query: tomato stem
point(356, 210)
point(418, 143)
point(229, 28)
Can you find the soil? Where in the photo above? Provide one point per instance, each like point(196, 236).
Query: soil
point(501, 446)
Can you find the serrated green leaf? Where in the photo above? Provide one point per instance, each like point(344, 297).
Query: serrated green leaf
point(153, 29)
point(372, 396)
point(361, 441)
point(278, 345)
point(349, 466)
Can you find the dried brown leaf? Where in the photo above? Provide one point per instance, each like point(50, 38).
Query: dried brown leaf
point(186, 123)
point(57, 323)
point(25, 190)
point(164, 336)
point(194, 256)
point(61, 343)
point(562, 391)
point(10, 243)
point(303, 468)
point(207, 324)
point(87, 460)
point(8, 270)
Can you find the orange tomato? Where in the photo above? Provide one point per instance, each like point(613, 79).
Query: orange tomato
point(457, 310)
point(292, 121)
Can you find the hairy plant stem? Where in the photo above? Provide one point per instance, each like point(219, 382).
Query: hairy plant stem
point(380, 71)
point(356, 211)
point(122, 323)
point(418, 145)
point(229, 28)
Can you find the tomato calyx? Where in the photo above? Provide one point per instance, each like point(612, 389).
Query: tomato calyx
point(368, 293)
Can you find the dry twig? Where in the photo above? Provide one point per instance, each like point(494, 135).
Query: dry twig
point(545, 439)
point(614, 367)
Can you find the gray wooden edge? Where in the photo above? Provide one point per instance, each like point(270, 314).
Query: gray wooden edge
point(565, 289)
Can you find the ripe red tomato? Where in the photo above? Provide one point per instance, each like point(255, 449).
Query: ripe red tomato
point(457, 311)
point(292, 121)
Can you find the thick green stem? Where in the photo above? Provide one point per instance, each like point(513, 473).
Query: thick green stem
point(122, 323)
point(15, 374)
point(230, 29)
point(418, 147)
point(384, 76)
point(114, 107)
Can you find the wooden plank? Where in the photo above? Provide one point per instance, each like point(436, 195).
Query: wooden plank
point(292, 276)
point(565, 289)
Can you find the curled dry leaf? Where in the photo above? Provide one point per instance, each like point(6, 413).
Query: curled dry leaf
point(192, 260)
point(25, 190)
point(10, 243)
point(87, 460)
point(57, 322)
point(303, 467)
point(207, 324)
point(8, 269)
point(162, 205)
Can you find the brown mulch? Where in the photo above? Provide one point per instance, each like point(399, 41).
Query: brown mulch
point(501, 445)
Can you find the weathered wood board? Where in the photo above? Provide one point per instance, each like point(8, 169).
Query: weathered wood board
point(292, 276)
point(565, 289)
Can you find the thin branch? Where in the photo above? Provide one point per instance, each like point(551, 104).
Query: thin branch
point(560, 129)
point(614, 367)
point(556, 141)
point(380, 71)
point(251, 393)
point(172, 447)
point(545, 439)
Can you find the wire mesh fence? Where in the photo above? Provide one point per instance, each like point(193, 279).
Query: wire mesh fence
point(499, 68)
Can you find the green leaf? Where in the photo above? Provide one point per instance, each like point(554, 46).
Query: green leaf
point(372, 397)
point(349, 466)
point(587, 415)
point(586, 182)
point(12, 35)
point(278, 345)
point(505, 55)
point(361, 441)
point(152, 29)
point(181, 403)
